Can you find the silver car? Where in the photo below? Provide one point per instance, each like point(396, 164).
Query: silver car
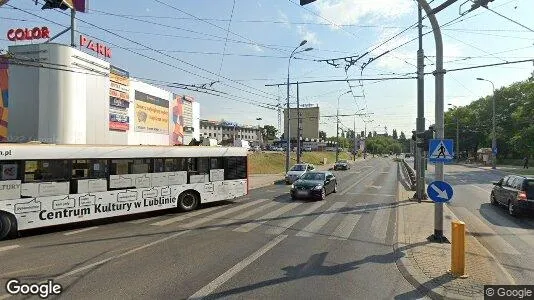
point(296, 171)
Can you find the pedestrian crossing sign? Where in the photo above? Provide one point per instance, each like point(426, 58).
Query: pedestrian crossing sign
point(440, 151)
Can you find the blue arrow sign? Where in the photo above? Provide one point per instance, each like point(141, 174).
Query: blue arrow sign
point(439, 191)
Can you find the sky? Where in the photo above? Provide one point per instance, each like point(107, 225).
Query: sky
point(237, 47)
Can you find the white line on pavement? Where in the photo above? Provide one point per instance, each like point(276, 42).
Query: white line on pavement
point(282, 210)
point(217, 282)
point(294, 220)
point(223, 213)
point(346, 227)
point(356, 183)
point(185, 216)
point(321, 220)
point(379, 225)
point(242, 216)
point(80, 231)
point(140, 221)
point(11, 247)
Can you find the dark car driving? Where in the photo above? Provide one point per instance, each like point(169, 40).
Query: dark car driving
point(515, 192)
point(315, 185)
point(341, 165)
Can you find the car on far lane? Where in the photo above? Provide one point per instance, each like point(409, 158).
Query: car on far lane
point(296, 171)
point(315, 185)
point(515, 192)
point(341, 165)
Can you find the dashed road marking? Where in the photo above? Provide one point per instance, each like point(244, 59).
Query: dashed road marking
point(185, 216)
point(346, 227)
point(11, 247)
point(242, 216)
point(80, 231)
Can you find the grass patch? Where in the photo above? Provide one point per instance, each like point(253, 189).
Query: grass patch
point(275, 162)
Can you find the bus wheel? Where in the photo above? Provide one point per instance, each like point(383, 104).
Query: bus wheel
point(8, 225)
point(188, 201)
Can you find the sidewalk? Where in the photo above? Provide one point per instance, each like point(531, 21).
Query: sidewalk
point(502, 168)
point(425, 264)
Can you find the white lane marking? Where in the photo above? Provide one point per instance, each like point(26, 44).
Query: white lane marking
point(375, 187)
point(346, 227)
point(242, 216)
point(185, 216)
point(282, 210)
point(356, 183)
point(292, 221)
point(221, 214)
point(379, 225)
point(98, 263)
point(10, 274)
point(11, 247)
point(486, 191)
point(140, 221)
point(370, 194)
point(217, 282)
point(80, 231)
point(321, 220)
point(484, 232)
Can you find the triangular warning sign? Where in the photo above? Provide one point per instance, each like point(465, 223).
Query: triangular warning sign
point(441, 152)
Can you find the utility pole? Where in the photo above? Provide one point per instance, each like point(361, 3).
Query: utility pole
point(298, 125)
point(457, 138)
point(354, 137)
point(420, 124)
point(439, 109)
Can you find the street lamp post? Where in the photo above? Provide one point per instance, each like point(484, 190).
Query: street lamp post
point(337, 125)
point(494, 138)
point(288, 133)
point(457, 132)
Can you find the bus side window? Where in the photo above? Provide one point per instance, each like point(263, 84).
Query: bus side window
point(119, 166)
point(11, 170)
point(235, 167)
point(159, 164)
point(98, 168)
point(140, 166)
point(46, 170)
point(216, 163)
point(176, 164)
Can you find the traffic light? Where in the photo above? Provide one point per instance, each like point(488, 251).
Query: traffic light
point(61, 4)
point(424, 137)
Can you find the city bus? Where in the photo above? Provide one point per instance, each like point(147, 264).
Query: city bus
point(44, 184)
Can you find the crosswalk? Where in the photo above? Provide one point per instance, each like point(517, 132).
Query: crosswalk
point(336, 220)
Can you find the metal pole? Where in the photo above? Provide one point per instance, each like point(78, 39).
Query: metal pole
point(288, 126)
point(72, 26)
point(439, 74)
point(457, 138)
point(494, 139)
point(420, 124)
point(298, 125)
point(337, 132)
point(354, 137)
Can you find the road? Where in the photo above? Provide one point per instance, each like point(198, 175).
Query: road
point(262, 246)
point(509, 239)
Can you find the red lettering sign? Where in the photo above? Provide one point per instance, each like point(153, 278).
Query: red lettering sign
point(28, 34)
point(96, 47)
point(119, 126)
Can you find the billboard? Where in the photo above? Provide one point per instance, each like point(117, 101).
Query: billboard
point(151, 114)
point(3, 98)
point(119, 99)
point(309, 122)
point(177, 137)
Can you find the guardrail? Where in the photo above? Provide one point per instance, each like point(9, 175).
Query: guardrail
point(410, 172)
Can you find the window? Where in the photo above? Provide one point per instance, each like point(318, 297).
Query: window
point(159, 165)
point(140, 166)
point(10, 170)
point(46, 170)
point(505, 181)
point(89, 168)
point(120, 166)
point(216, 163)
point(176, 164)
point(235, 167)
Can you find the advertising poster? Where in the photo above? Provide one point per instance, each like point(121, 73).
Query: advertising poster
point(3, 98)
point(177, 137)
point(119, 101)
point(151, 113)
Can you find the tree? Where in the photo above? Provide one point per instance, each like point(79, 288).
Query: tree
point(374, 133)
point(270, 132)
point(322, 135)
point(350, 134)
point(402, 136)
point(394, 134)
point(369, 134)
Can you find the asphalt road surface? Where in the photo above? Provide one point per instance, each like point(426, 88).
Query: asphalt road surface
point(262, 246)
point(509, 239)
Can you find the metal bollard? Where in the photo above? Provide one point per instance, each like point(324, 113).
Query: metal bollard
point(458, 249)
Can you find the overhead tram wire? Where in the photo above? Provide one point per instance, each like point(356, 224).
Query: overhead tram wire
point(226, 39)
point(509, 19)
point(151, 58)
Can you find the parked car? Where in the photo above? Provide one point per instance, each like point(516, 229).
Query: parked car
point(341, 165)
point(515, 192)
point(315, 185)
point(296, 171)
point(308, 149)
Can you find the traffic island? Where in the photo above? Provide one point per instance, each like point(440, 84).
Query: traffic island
point(427, 265)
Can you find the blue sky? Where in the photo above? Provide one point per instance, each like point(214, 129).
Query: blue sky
point(190, 38)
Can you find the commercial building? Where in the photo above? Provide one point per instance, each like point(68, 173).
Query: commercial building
point(60, 94)
point(228, 131)
point(309, 122)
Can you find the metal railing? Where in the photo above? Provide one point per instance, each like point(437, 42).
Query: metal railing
point(410, 172)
